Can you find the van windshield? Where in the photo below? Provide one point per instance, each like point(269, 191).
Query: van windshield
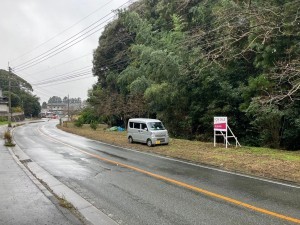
point(156, 126)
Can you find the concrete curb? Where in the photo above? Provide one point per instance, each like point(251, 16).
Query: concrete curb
point(86, 209)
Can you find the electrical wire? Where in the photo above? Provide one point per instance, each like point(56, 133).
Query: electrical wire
point(55, 51)
point(71, 76)
point(64, 74)
point(68, 28)
point(61, 64)
point(44, 56)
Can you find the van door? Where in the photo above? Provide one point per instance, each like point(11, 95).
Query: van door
point(136, 131)
point(144, 133)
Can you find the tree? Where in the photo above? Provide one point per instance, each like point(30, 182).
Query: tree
point(44, 105)
point(54, 99)
point(21, 96)
point(32, 106)
point(188, 61)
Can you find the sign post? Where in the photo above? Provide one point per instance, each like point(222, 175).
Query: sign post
point(220, 125)
point(221, 129)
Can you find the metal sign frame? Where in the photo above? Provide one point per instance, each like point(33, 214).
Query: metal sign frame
point(221, 128)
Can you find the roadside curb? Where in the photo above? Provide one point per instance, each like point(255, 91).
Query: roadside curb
point(39, 175)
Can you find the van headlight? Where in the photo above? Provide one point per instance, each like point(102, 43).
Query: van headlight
point(152, 135)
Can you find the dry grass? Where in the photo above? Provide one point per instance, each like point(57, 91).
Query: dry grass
point(264, 162)
point(64, 203)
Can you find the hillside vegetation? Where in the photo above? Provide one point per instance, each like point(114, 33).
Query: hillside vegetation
point(187, 61)
point(263, 162)
point(22, 98)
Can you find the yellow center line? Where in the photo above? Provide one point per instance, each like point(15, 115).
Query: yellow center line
point(185, 185)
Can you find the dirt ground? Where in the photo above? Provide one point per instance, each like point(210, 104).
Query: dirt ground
point(262, 162)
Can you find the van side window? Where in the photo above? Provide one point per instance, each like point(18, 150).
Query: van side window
point(137, 125)
point(131, 124)
point(144, 126)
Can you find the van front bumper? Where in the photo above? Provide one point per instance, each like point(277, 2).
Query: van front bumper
point(160, 140)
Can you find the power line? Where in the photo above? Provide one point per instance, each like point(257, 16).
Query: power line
point(106, 61)
point(48, 69)
point(61, 64)
point(73, 79)
point(56, 50)
point(64, 74)
point(47, 91)
point(53, 51)
point(70, 76)
point(68, 28)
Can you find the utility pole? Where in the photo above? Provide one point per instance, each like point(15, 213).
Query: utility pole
point(9, 96)
point(68, 108)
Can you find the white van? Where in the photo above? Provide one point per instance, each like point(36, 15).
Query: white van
point(149, 131)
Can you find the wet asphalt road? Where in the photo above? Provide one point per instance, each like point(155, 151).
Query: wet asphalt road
point(134, 198)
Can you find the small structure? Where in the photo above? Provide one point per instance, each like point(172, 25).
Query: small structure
point(3, 105)
point(4, 110)
point(221, 128)
point(62, 108)
point(57, 108)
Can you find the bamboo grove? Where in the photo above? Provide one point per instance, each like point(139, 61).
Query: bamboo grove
point(186, 61)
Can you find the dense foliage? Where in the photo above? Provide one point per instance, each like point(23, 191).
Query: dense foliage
point(187, 61)
point(22, 98)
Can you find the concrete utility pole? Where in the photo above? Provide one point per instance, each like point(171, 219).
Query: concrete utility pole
point(9, 95)
point(68, 107)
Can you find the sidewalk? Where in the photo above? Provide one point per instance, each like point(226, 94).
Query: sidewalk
point(23, 199)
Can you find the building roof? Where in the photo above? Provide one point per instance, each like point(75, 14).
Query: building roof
point(57, 104)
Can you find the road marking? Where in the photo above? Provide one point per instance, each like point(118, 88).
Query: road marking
point(192, 164)
point(201, 166)
point(189, 163)
point(185, 185)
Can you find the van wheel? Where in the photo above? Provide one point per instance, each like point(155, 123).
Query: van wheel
point(130, 140)
point(149, 143)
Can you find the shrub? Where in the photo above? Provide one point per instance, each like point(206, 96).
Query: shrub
point(7, 135)
point(94, 125)
point(88, 115)
point(3, 118)
point(79, 122)
point(17, 109)
point(8, 138)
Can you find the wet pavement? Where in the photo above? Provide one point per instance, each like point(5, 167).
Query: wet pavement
point(23, 199)
point(131, 197)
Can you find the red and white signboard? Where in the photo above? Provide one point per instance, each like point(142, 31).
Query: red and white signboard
point(220, 124)
point(222, 129)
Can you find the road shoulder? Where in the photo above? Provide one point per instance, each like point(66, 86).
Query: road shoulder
point(90, 213)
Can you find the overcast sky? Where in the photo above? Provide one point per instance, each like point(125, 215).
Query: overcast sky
point(26, 25)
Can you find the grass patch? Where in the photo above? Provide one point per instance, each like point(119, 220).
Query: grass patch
point(8, 139)
point(3, 123)
point(64, 203)
point(264, 162)
point(8, 144)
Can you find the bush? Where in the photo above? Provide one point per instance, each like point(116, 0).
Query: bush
point(3, 118)
point(267, 120)
point(94, 125)
point(17, 109)
point(8, 138)
point(88, 115)
point(79, 122)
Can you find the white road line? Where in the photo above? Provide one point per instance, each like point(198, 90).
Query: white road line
point(194, 164)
